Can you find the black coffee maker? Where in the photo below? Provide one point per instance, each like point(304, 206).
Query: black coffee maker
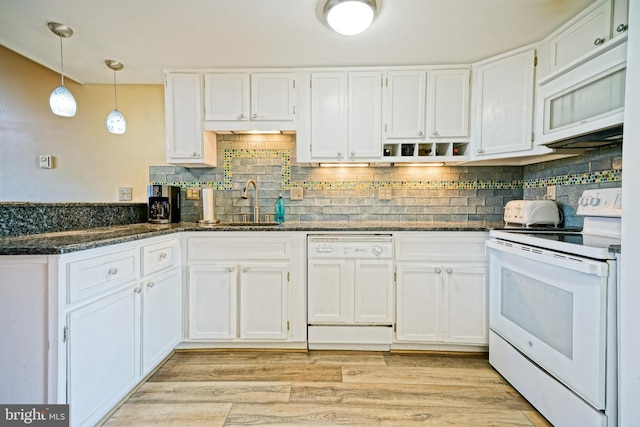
point(164, 204)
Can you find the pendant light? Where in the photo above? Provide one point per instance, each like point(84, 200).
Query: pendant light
point(350, 17)
point(61, 101)
point(115, 120)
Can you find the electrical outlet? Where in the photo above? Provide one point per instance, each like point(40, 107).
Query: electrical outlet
point(192, 194)
point(551, 192)
point(384, 193)
point(296, 193)
point(125, 194)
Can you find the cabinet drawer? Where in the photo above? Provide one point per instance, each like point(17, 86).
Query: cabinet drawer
point(91, 276)
point(238, 248)
point(441, 246)
point(158, 256)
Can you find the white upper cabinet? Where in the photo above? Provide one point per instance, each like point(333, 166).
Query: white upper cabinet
point(503, 104)
point(405, 105)
point(346, 116)
point(187, 144)
point(249, 97)
point(448, 104)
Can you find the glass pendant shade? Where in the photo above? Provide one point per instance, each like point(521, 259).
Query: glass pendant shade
point(62, 102)
point(350, 17)
point(116, 122)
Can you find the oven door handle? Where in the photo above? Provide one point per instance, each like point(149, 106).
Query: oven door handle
point(576, 263)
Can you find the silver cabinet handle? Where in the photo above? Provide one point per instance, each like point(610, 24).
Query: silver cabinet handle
point(163, 255)
point(353, 154)
point(241, 116)
point(479, 150)
point(449, 271)
point(194, 154)
point(435, 133)
point(438, 270)
point(113, 271)
point(420, 133)
point(622, 27)
point(339, 153)
point(245, 269)
point(230, 269)
point(255, 115)
point(150, 285)
point(598, 41)
point(137, 289)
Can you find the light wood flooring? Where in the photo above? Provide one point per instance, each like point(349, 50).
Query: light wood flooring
point(325, 388)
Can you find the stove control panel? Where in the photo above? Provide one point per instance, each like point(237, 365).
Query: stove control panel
point(602, 202)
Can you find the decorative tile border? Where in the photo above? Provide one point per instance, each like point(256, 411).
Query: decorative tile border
point(613, 175)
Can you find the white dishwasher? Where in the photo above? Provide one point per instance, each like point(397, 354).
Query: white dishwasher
point(350, 291)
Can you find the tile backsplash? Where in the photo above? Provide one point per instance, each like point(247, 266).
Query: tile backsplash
point(449, 193)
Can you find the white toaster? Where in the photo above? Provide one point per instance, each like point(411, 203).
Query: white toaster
point(531, 212)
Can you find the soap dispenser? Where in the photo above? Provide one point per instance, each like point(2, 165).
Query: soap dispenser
point(280, 209)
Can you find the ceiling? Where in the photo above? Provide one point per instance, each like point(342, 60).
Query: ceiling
point(148, 36)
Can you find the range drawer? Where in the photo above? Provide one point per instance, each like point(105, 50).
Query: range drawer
point(160, 255)
point(91, 276)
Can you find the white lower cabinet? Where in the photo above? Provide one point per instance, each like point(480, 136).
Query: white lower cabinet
point(441, 301)
point(103, 354)
point(245, 289)
point(161, 317)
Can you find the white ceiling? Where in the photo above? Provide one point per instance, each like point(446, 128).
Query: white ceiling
point(148, 36)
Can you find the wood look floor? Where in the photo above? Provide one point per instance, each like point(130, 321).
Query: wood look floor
point(325, 388)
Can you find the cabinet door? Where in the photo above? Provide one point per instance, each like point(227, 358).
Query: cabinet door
point(620, 21)
point(373, 292)
point(504, 104)
point(405, 105)
point(272, 96)
point(263, 301)
point(103, 354)
point(448, 104)
point(466, 302)
point(183, 111)
point(226, 97)
point(583, 36)
point(330, 287)
point(365, 115)
point(212, 301)
point(418, 303)
point(161, 317)
point(329, 115)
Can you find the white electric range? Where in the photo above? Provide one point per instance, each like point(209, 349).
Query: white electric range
point(553, 313)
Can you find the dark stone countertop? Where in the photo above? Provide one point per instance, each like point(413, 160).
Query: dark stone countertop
point(77, 240)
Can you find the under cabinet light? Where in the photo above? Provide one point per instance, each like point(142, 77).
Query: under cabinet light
point(344, 165)
point(425, 164)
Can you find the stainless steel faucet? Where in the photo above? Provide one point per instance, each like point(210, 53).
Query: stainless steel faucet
point(256, 208)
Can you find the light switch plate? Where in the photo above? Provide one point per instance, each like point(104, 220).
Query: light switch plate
point(551, 192)
point(192, 194)
point(384, 193)
point(45, 161)
point(125, 194)
point(296, 193)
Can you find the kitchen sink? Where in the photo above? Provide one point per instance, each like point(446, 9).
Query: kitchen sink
point(248, 224)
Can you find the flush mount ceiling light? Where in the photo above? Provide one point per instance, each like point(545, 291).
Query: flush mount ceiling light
point(350, 17)
point(115, 120)
point(61, 101)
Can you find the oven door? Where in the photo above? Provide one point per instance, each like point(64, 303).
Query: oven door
point(552, 307)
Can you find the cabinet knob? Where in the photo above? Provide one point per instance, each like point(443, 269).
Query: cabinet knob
point(113, 271)
point(137, 289)
point(339, 153)
point(420, 133)
point(479, 151)
point(230, 269)
point(241, 116)
point(245, 269)
point(163, 255)
point(353, 154)
point(449, 271)
point(194, 154)
point(435, 133)
point(255, 115)
point(622, 27)
point(438, 270)
point(598, 41)
point(150, 285)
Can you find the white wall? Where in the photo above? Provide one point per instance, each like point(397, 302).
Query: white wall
point(630, 289)
point(90, 163)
